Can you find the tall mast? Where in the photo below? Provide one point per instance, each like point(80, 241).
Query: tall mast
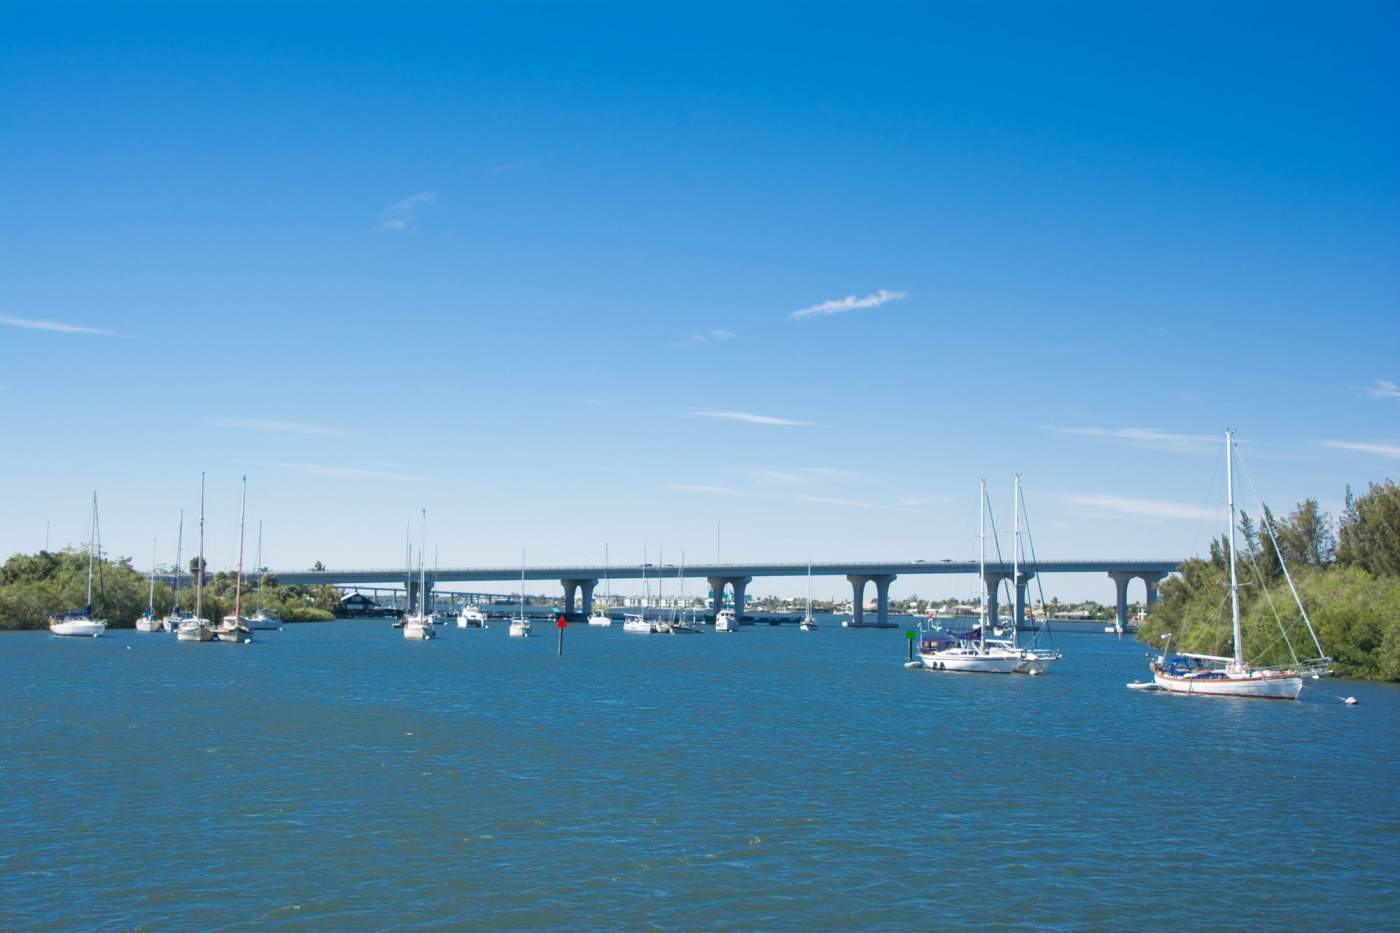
point(179, 543)
point(407, 565)
point(238, 581)
point(1234, 582)
point(1016, 561)
point(982, 557)
point(199, 585)
point(151, 596)
point(257, 567)
point(522, 583)
point(809, 586)
point(422, 574)
point(92, 546)
point(607, 573)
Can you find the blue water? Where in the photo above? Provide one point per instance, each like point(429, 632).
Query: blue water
point(336, 776)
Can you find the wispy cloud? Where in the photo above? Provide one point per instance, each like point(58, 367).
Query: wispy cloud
point(707, 489)
point(747, 417)
point(849, 303)
point(1152, 438)
point(833, 500)
point(913, 502)
point(342, 472)
point(55, 327)
point(1382, 388)
point(1385, 450)
point(281, 427)
point(398, 217)
point(773, 476)
point(1142, 508)
point(717, 334)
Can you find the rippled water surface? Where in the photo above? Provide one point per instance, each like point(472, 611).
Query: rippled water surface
point(337, 776)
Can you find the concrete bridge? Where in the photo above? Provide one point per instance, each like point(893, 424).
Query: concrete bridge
point(581, 579)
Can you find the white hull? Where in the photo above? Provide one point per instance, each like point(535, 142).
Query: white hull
point(194, 630)
point(972, 661)
point(519, 628)
point(638, 627)
point(1258, 685)
point(79, 628)
point(1036, 662)
point(264, 623)
point(418, 628)
point(148, 624)
point(471, 618)
point(600, 621)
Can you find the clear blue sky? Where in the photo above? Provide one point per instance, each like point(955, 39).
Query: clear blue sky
point(534, 267)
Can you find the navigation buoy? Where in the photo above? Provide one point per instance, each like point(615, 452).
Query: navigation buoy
point(247, 641)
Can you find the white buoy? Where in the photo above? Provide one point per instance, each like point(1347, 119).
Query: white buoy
point(1350, 701)
point(247, 641)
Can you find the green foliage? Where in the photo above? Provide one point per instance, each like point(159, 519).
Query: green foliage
point(1350, 587)
point(306, 614)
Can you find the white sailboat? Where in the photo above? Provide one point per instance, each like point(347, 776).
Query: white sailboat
point(263, 620)
point(520, 626)
point(964, 652)
point(172, 621)
point(678, 623)
point(638, 623)
point(196, 627)
point(1213, 676)
point(418, 625)
point(79, 623)
point(602, 619)
point(1034, 659)
point(809, 622)
point(148, 621)
point(234, 629)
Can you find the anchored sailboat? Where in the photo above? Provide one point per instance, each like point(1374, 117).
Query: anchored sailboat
point(1210, 675)
point(520, 626)
point(809, 622)
point(233, 629)
point(196, 627)
point(148, 621)
point(418, 626)
point(79, 623)
point(172, 621)
point(602, 619)
point(263, 620)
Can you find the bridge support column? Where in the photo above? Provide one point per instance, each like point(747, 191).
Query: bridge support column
point(570, 591)
point(1018, 613)
point(1121, 581)
point(992, 581)
point(1152, 580)
point(740, 584)
point(588, 587)
point(857, 598)
point(717, 594)
point(882, 598)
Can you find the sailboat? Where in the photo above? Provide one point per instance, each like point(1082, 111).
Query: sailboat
point(471, 616)
point(678, 624)
point(79, 623)
point(637, 623)
point(809, 622)
point(1213, 676)
point(972, 651)
point(1034, 659)
point(233, 629)
point(263, 620)
point(196, 627)
point(418, 626)
point(172, 622)
point(148, 621)
point(602, 619)
point(520, 626)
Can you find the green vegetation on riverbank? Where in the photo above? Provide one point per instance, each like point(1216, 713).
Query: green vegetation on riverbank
point(1349, 583)
point(32, 586)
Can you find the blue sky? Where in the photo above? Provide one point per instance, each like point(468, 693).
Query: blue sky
point(538, 268)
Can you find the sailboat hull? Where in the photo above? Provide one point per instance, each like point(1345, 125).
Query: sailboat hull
point(1257, 685)
point(971, 662)
point(79, 628)
point(519, 629)
point(418, 630)
point(148, 624)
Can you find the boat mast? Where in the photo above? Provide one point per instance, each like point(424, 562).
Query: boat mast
point(151, 595)
point(1016, 560)
point(522, 584)
point(179, 543)
point(607, 575)
point(92, 545)
point(257, 567)
point(982, 559)
point(422, 574)
point(808, 613)
point(238, 581)
point(1234, 582)
point(199, 585)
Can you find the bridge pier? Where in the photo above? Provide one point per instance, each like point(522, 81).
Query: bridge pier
point(1018, 613)
point(991, 580)
point(737, 584)
point(716, 595)
point(418, 601)
point(1152, 580)
point(857, 598)
point(1121, 581)
point(882, 598)
point(571, 590)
